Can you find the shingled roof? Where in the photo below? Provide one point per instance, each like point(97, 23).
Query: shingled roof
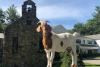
point(96, 37)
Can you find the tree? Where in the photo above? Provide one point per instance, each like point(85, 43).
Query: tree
point(96, 14)
point(2, 20)
point(96, 18)
point(2, 16)
point(92, 26)
point(12, 14)
point(79, 27)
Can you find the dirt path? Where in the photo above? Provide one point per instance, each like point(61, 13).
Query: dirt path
point(92, 61)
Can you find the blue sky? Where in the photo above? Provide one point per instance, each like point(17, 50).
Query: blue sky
point(64, 12)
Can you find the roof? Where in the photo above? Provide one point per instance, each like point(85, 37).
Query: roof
point(96, 37)
point(1, 35)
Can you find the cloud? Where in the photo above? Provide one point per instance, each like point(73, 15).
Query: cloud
point(53, 12)
point(50, 2)
point(4, 8)
point(59, 12)
point(60, 9)
point(19, 10)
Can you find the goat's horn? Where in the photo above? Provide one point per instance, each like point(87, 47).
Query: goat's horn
point(47, 21)
point(38, 22)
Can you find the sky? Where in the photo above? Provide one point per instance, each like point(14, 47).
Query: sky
point(59, 12)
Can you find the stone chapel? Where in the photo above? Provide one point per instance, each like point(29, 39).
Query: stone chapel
point(21, 40)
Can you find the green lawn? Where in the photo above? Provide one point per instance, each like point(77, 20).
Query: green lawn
point(91, 65)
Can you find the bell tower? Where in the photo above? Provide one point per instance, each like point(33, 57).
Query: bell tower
point(29, 11)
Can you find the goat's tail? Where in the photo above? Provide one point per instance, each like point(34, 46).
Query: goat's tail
point(75, 34)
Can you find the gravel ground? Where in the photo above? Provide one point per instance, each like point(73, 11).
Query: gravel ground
point(92, 61)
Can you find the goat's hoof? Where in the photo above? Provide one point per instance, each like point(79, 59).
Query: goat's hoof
point(48, 66)
point(73, 65)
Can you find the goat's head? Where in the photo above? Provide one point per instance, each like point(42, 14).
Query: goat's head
point(42, 26)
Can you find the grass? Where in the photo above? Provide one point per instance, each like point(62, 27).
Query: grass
point(91, 65)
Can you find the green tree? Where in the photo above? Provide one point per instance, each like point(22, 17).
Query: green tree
point(92, 26)
point(12, 14)
point(96, 14)
point(2, 20)
point(2, 16)
point(79, 27)
point(96, 19)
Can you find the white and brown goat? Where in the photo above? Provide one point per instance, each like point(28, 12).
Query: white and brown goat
point(53, 42)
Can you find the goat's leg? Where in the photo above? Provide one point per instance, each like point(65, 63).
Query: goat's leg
point(48, 58)
point(51, 58)
point(74, 58)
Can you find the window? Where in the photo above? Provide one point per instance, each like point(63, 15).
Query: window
point(15, 45)
point(78, 41)
point(83, 41)
point(95, 42)
point(89, 42)
point(29, 7)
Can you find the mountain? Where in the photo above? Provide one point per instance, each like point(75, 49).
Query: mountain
point(59, 29)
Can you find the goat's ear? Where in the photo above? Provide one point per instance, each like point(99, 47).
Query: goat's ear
point(47, 21)
point(39, 29)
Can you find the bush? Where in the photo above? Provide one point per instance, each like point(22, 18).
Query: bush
point(66, 60)
point(62, 60)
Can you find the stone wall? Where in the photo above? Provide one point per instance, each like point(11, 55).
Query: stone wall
point(23, 51)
